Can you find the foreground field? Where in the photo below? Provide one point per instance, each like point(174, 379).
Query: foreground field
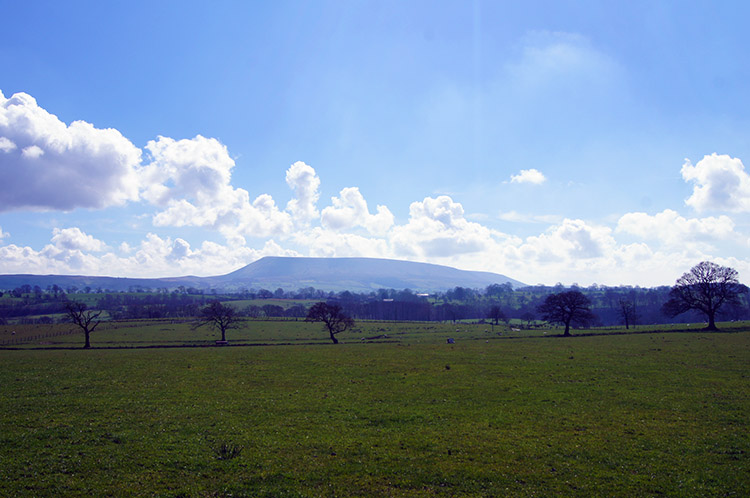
point(625, 415)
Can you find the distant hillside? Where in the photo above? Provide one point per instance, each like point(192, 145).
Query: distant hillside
point(328, 274)
point(357, 275)
point(8, 282)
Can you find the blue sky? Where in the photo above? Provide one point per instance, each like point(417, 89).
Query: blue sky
point(575, 142)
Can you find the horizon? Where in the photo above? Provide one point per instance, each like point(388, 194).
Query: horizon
point(568, 142)
point(177, 277)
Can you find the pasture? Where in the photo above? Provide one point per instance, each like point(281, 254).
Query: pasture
point(392, 411)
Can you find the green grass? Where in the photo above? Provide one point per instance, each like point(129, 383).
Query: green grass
point(172, 333)
point(284, 303)
point(624, 415)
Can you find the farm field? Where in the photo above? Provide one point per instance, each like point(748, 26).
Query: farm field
point(400, 413)
point(176, 333)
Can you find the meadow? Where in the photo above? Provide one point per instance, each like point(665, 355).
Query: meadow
point(392, 411)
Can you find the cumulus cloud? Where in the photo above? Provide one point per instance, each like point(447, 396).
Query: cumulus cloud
point(532, 176)
point(180, 249)
point(198, 169)
point(74, 239)
point(70, 253)
point(437, 228)
point(32, 152)
point(720, 183)
point(574, 250)
point(191, 179)
point(158, 256)
point(350, 210)
point(303, 180)
point(322, 243)
point(674, 230)
point(570, 240)
point(6, 145)
point(47, 164)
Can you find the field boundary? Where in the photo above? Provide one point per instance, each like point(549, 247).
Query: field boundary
point(25, 346)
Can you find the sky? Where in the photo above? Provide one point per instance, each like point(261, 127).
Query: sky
point(551, 141)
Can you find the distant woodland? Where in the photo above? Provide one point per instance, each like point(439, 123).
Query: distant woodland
point(612, 306)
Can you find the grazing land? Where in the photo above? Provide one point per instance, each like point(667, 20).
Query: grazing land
point(392, 411)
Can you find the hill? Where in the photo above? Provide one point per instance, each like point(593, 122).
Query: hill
point(328, 274)
point(357, 275)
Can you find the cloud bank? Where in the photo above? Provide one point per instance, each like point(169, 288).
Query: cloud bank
point(187, 183)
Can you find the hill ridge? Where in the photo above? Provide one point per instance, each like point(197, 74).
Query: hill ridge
point(291, 273)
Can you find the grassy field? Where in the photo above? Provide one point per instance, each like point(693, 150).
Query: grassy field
point(610, 415)
point(173, 333)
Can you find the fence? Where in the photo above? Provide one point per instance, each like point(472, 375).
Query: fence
point(31, 338)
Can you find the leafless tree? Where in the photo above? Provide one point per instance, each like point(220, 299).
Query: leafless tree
point(496, 314)
point(332, 317)
point(86, 319)
point(628, 312)
point(706, 288)
point(219, 316)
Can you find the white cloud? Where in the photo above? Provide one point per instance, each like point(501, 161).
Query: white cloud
point(3, 234)
point(70, 254)
point(576, 251)
point(192, 180)
point(47, 164)
point(157, 256)
point(198, 169)
point(671, 229)
point(32, 152)
point(180, 250)
point(74, 239)
point(350, 210)
point(322, 243)
point(6, 145)
point(437, 228)
point(570, 240)
point(303, 180)
point(720, 183)
point(532, 176)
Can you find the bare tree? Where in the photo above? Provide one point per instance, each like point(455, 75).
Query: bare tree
point(332, 317)
point(86, 319)
point(705, 288)
point(496, 315)
point(627, 312)
point(568, 308)
point(219, 316)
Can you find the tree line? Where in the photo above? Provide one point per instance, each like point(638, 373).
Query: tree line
point(706, 289)
point(610, 306)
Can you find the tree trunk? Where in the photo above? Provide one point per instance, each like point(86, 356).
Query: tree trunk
point(223, 334)
point(567, 330)
point(333, 338)
point(711, 322)
point(88, 344)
